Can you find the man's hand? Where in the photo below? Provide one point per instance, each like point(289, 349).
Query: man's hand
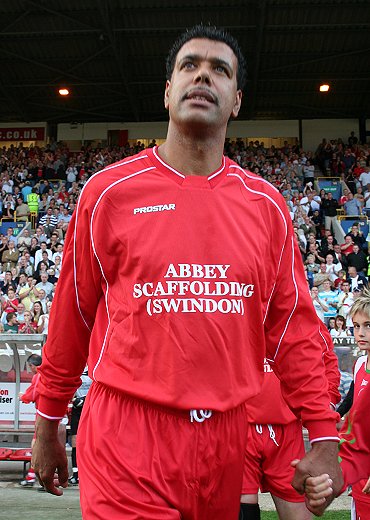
point(49, 457)
point(322, 459)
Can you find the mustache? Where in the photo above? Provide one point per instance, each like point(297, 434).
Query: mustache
point(208, 94)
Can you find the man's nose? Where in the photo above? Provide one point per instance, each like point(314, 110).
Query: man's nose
point(202, 75)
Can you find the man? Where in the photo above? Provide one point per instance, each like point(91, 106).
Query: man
point(44, 285)
point(358, 259)
point(347, 247)
point(321, 277)
point(353, 206)
point(22, 210)
point(318, 304)
point(357, 236)
point(330, 298)
point(24, 240)
point(10, 256)
point(49, 220)
point(20, 313)
point(329, 207)
point(159, 309)
point(345, 301)
point(356, 279)
point(38, 254)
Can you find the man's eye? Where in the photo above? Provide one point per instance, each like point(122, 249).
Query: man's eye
point(220, 68)
point(188, 65)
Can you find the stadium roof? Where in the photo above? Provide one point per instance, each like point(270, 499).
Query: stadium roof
point(111, 55)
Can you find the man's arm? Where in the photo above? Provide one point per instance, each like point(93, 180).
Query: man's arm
point(65, 353)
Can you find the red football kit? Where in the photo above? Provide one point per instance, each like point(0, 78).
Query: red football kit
point(274, 436)
point(157, 291)
point(354, 447)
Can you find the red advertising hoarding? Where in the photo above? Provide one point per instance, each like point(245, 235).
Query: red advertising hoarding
point(36, 133)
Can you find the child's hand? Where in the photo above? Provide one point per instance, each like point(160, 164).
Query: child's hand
point(366, 488)
point(317, 489)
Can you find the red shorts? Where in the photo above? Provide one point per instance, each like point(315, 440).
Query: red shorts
point(140, 461)
point(269, 452)
point(361, 501)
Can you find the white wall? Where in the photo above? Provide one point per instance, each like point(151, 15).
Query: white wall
point(286, 128)
point(313, 130)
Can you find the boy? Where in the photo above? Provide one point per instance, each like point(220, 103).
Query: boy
point(355, 434)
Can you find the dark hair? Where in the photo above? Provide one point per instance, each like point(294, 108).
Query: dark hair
point(211, 33)
point(9, 316)
point(34, 359)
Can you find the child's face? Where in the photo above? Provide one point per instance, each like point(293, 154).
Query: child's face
point(361, 325)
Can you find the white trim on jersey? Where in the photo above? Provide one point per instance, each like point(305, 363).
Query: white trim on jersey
point(281, 214)
point(165, 164)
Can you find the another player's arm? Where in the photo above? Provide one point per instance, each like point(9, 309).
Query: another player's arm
point(293, 342)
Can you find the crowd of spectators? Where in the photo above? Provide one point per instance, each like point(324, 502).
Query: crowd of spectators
point(30, 264)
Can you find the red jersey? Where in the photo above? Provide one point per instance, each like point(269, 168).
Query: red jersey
point(168, 306)
point(354, 447)
point(31, 395)
point(265, 409)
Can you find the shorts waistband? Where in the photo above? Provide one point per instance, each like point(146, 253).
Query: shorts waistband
point(197, 415)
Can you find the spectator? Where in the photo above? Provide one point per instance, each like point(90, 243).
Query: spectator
point(340, 329)
point(330, 298)
point(332, 268)
point(352, 139)
point(40, 235)
point(57, 266)
point(358, 237)
point(49, 221)
point(356, 279)
point(7, 212)
point(22, 210)
point(321, 277)
point(353, 206)
point(43, 321)
point(344, 197)
point(347, 247)
point(24, 240)
point(44, 285)
point(329, 207)
point(345, 301)
point(308, 226)
point(39, 253)
point(318, 304)
point(7, 282)
point(37, 310)
point(358, 259)
point(9, 301)
point(10, 256)
point(365, 178)
point(11, 325)
point(28, 326)
point(20, 313)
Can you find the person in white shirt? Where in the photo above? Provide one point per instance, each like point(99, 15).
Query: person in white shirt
point(331, 268)
point(318, 304)
point(365, 178)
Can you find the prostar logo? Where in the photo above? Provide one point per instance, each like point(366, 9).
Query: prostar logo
point(154, 209)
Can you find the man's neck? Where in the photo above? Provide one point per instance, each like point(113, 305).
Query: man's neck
point(192, 155)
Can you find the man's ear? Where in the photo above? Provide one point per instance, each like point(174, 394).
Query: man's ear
point(237, 104)
point(166, 94)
